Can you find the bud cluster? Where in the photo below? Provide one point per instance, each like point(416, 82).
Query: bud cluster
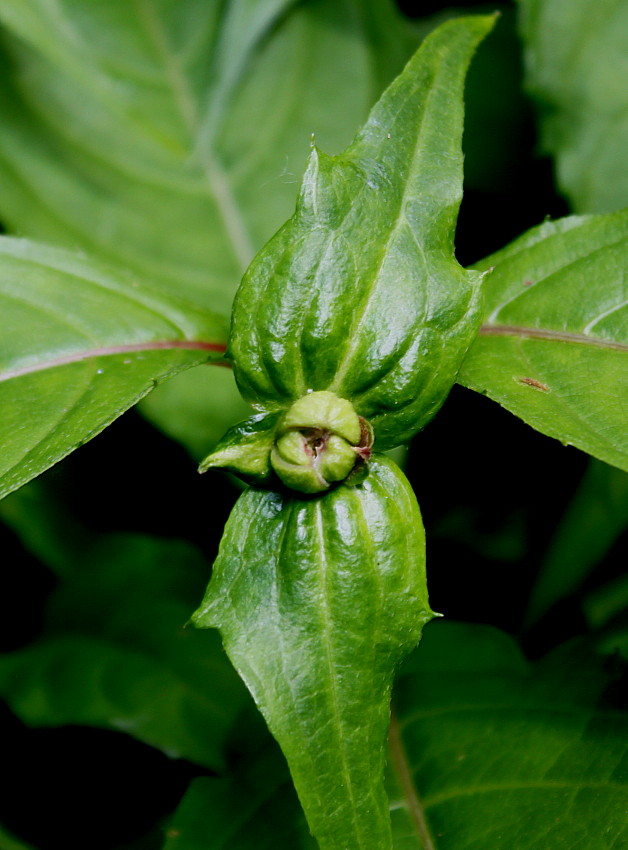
point(319, 441)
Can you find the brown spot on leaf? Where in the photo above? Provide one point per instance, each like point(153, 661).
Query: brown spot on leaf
point(528, 282)
point(532, 382)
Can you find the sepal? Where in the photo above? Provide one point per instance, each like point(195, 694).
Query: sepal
point(245, 449)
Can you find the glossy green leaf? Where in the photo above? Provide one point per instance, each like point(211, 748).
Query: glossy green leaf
point(577, 69)
point(554, 345)
point(496, 753)
point(596, 516)
point(215, 814)
point(486, 751)
point(167, 136)
point(359, 292)
point(115, 653)
point(318, 600)
point(81, 344)
point(246, 448)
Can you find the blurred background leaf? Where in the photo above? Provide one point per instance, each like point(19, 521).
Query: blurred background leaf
point(593, 521)
point(504, 754)
point(169, 136)
point(576, 56)
point(606, 611)
point(114, 652)
point(8, 842)
point(254, 808)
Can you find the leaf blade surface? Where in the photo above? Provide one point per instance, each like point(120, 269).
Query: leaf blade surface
point(80, 345)
point(317, 601)
point(359, 293)
point(128, 123)
point(579, 80)
point(554, 345)
point(114, 652)
point(504, 754)
point(593, 521)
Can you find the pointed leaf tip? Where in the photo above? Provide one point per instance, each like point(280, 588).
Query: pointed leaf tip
point(318, 600)
point(359, 293)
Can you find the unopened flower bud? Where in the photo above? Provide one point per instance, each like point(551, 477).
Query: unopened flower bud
point(318, 443)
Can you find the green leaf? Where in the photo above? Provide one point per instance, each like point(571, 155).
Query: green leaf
point(166, 137)
point(577, 69)
point(44, 526)
point(246, 448)
point(596, 516)
point(215, 814)
point(554, 345)
point(606, 602)
point(359, 293)
point(606, 610)
point(80, 345)
point(496, 753)
point(115, 653)
point(318, 600)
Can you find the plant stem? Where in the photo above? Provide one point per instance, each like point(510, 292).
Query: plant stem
point(404, 775)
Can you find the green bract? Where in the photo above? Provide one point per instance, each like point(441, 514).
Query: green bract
point(360, 293)
point(318, 441)
point(350, 325)
point(318, 600)
point(245, 449)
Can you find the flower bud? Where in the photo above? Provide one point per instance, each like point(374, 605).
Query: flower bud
point(319, 442)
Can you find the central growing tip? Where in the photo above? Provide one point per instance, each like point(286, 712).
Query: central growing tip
point(321, 440)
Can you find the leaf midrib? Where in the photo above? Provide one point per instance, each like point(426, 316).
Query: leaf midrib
point(401, 764)
point(551, 335)
point(399, 220)
point(106, 351)
point(328, 630)
point(214, 174)
point(540, 785)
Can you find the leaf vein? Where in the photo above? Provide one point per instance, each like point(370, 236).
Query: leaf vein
point(328, 631)
point(550, 335)
point(87, 354)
